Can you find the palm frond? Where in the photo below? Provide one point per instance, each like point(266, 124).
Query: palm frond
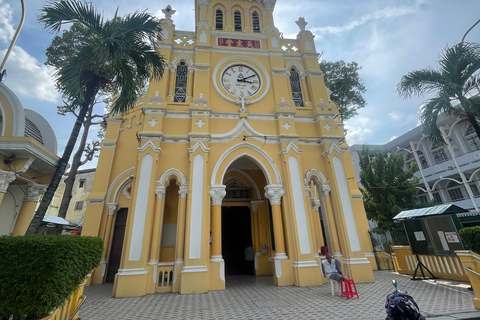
point(429, 115)
point(420, 82)
point(57, 13)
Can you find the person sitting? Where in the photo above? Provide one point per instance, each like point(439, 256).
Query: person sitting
point(332, 268)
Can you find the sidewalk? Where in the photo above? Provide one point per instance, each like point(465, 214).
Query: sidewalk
point(258, 298)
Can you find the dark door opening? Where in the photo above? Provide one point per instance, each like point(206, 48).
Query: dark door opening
point(117, 244)
point(236, 238)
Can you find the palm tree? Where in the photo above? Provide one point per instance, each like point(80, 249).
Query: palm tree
point(455, 86)
point(119, 53)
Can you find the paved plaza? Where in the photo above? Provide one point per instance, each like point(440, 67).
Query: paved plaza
point(258, 298)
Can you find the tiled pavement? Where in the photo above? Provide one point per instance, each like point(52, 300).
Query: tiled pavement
point(258, 298)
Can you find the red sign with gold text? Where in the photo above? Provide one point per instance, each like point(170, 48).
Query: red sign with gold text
point(238, 43)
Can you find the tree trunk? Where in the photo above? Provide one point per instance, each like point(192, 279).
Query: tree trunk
point(62, 165)
point(473, 120)
point(76, 163)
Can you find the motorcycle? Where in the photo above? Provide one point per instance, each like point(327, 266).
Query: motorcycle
point(401, 306)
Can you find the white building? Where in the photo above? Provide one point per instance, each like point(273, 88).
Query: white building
point(449, 173)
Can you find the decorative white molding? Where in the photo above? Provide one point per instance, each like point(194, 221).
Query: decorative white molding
point(127, 176)
point(315, 204)
point(170, 174)
point(305, 264)
point(189, 269)
point(132, 272)
point(153, 122)
point(95, 201)
point(369, 254)
point(183, 191)
point(327, 126)
point(200, 123)
point(356, 261)
point(197, 145)
point(6, 177)
point(112, 207)
point(247, 145)
point(217, 193)
point(332, 148)
point(34, 190)
point(287, 125)
point(160, 192)
point(316, 176)
point(151, 145)
point(291, 145)
point(254, 205)
point(274, 193)
point(217, 259)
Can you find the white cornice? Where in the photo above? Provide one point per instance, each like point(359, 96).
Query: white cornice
point(28, 149)
point(197, 145)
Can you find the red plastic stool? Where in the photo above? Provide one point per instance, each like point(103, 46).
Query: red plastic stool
point(348, 288)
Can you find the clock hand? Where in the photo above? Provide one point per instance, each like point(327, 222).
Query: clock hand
point(243, 80)
point(253, 75)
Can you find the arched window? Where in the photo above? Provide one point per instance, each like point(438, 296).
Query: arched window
point(296, 88)
point(181, 83)
point(219, 19)
point(255, 22)
point(238, 20)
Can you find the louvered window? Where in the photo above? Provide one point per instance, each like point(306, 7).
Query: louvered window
point(219, 19)
point(181, 83)
point(238, 20)
point(296, 88)
point(255, 22)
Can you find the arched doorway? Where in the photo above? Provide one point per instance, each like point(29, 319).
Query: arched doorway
point(246, 227)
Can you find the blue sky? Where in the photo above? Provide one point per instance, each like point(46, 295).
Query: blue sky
point(388, 38)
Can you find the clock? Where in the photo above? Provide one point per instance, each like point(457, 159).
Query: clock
point(241, 81)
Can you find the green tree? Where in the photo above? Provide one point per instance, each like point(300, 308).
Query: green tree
point(119, 53)
point(346, 88)
point(386, 188)
point(455, 86)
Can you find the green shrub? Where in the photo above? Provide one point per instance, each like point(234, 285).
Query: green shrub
point(471, 238)
point(38, 273)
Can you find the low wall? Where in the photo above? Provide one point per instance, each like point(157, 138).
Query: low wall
point(471, 262)
point(442, 267)
point(70, 307)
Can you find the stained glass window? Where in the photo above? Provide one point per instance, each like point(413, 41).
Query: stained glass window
point(181, 83)
point(296, 88)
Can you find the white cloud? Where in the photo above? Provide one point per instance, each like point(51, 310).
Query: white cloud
point(28, 77)
point(6, 26)
point(393, 116)
point(388, 12)
point(357, 135)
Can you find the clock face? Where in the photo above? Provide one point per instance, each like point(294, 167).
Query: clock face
point(241, 81)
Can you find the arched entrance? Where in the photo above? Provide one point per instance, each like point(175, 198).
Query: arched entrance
point(246, 226)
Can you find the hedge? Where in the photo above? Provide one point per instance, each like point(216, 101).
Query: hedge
point(471, 238)
point(38, 273)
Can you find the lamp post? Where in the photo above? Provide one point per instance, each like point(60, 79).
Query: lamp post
point(2, 72)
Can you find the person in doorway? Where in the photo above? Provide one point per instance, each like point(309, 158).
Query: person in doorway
point(333, 268)
point(249, 253)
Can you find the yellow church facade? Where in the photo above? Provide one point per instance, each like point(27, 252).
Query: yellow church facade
point(233, 164)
